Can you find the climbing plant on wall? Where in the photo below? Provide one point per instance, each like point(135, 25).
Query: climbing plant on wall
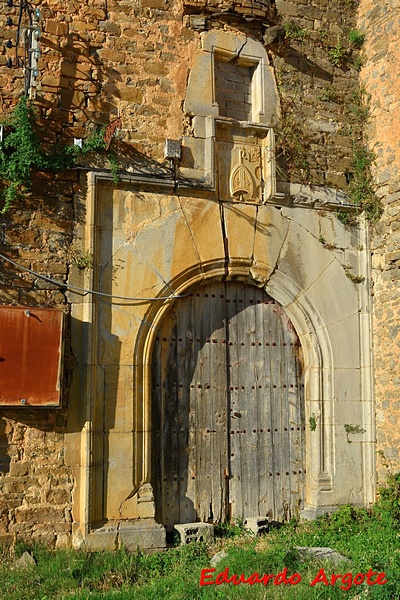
point(22, 153)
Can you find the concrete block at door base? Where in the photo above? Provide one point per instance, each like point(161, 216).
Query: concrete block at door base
point(257, 524)
point(195, 532)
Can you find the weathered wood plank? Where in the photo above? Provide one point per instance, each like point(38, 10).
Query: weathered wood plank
point(235, 405)
point(157, 437)
point(264, 401)
point(169, 410)
point(278, 442)
point(217, 400)
point(186, 414)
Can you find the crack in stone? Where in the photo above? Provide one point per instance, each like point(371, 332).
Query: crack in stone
point(191, 234)
point(356, 313)
point(225, 239)
point(153, 268)
point(281, 248)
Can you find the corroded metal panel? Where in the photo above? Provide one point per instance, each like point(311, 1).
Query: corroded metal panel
point(30, 356)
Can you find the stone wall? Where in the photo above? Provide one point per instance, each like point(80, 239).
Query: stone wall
point(380, 21)
point(316, 69)
point(97, 63)
point(35, 483)
point(100, 60)
point(250, 9)
point(233, 90)
point(103, 60)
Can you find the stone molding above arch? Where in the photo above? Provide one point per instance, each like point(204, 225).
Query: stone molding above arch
point(199, 164)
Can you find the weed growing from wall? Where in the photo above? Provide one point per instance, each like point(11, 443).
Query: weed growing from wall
point(291, 143)
point(313, 422)
point(352, 430)
point(21, 153)
point(338, 54)
point(356, 38)
point(361, 189)
point(82, 259)
point(294, 31)
point(330, 94)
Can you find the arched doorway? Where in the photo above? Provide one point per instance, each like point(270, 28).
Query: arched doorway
point(228, 426)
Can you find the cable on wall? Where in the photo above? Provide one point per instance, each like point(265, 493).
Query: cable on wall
point(84, 291)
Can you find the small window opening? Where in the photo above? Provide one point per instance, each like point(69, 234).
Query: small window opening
point(233, 90)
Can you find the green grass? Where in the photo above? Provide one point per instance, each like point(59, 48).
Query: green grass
point(369, 539)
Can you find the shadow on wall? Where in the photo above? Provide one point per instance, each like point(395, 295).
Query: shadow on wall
point(5, 459)
point(78, 86)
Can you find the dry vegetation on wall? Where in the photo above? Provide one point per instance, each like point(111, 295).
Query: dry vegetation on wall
point(320, 139)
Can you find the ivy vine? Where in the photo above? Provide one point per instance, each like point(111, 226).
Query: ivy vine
point(22, 153)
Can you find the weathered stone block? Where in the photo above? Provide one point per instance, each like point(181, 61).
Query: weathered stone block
point(322, 553)
point(112, 55)
point(56, 28)
point(83, 26)
point(19, 469)
point(39, 515)
point(77, 70)
point(71, 99)
point(101, 539)
point(143, 534)
point(50, 81)
point(6, 540)
point(110, 27)
point(63, 541)
point(130, 93)
point(152, 3)
point(60, 496)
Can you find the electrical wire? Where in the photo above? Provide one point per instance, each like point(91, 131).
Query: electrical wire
point(84, 291)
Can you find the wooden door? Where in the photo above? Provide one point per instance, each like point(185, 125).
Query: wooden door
point(227, 409)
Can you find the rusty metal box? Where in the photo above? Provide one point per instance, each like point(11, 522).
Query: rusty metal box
point(30, 356)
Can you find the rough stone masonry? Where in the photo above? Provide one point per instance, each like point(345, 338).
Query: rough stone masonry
point(101, 60)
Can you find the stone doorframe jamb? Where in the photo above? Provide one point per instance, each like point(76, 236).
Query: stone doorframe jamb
point(318, 372)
